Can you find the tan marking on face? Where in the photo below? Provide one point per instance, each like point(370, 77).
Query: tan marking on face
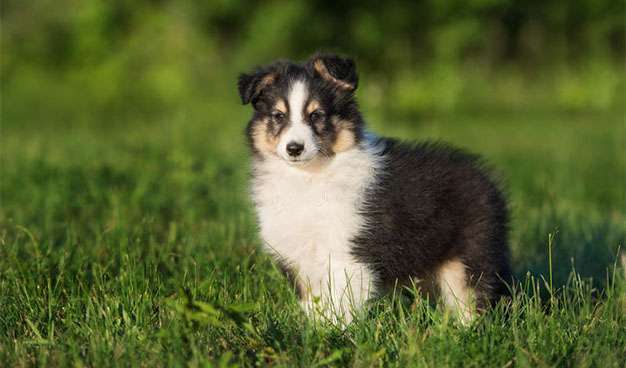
point(319, 66)
point(345, 140)
point(281, 106)
point(456, 294)
point(345, 136)
point(312, 106)
point(263, 140)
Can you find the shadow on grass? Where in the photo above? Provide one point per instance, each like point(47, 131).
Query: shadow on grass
point(555, 243)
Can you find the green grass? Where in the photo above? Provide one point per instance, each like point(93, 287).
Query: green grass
point(135, 244)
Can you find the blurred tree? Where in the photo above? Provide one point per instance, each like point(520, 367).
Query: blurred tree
point(77, 60)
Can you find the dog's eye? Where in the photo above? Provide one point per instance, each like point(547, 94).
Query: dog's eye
point(278, 116)
point(316, 115)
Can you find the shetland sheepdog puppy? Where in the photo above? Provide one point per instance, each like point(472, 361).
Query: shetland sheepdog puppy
point(349, 215)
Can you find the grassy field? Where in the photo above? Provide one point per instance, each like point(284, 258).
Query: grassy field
point(135, 244)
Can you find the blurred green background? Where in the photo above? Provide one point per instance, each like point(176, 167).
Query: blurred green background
point(114, 62)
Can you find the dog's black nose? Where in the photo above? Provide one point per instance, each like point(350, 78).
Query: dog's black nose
point(295, 149)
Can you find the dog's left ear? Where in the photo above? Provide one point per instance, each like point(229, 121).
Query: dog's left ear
point(251, 85)
point(336, 69)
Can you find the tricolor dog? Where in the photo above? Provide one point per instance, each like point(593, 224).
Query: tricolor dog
point(350, 215)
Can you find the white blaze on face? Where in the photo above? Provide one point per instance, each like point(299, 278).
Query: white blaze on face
point(298, 130)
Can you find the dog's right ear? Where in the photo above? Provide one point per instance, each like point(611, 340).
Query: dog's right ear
point(251, 85)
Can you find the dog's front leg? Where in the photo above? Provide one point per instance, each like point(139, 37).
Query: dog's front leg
point(340, 296)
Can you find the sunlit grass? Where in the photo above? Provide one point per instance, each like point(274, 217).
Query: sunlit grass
point(136, 245)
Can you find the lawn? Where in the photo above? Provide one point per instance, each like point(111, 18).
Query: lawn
point(133, 243)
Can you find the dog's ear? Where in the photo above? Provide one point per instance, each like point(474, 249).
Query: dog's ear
point(251, 85)
point(336, 69)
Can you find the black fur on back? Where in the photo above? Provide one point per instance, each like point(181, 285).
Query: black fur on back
point(431, 204)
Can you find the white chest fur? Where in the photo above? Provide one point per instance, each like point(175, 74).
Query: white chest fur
point(309, 218)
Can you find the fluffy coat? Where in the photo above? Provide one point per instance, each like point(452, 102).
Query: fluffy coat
point(350, 215)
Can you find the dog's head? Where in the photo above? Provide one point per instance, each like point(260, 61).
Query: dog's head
point(303, 113)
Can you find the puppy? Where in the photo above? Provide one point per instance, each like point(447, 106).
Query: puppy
point(350, 215)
